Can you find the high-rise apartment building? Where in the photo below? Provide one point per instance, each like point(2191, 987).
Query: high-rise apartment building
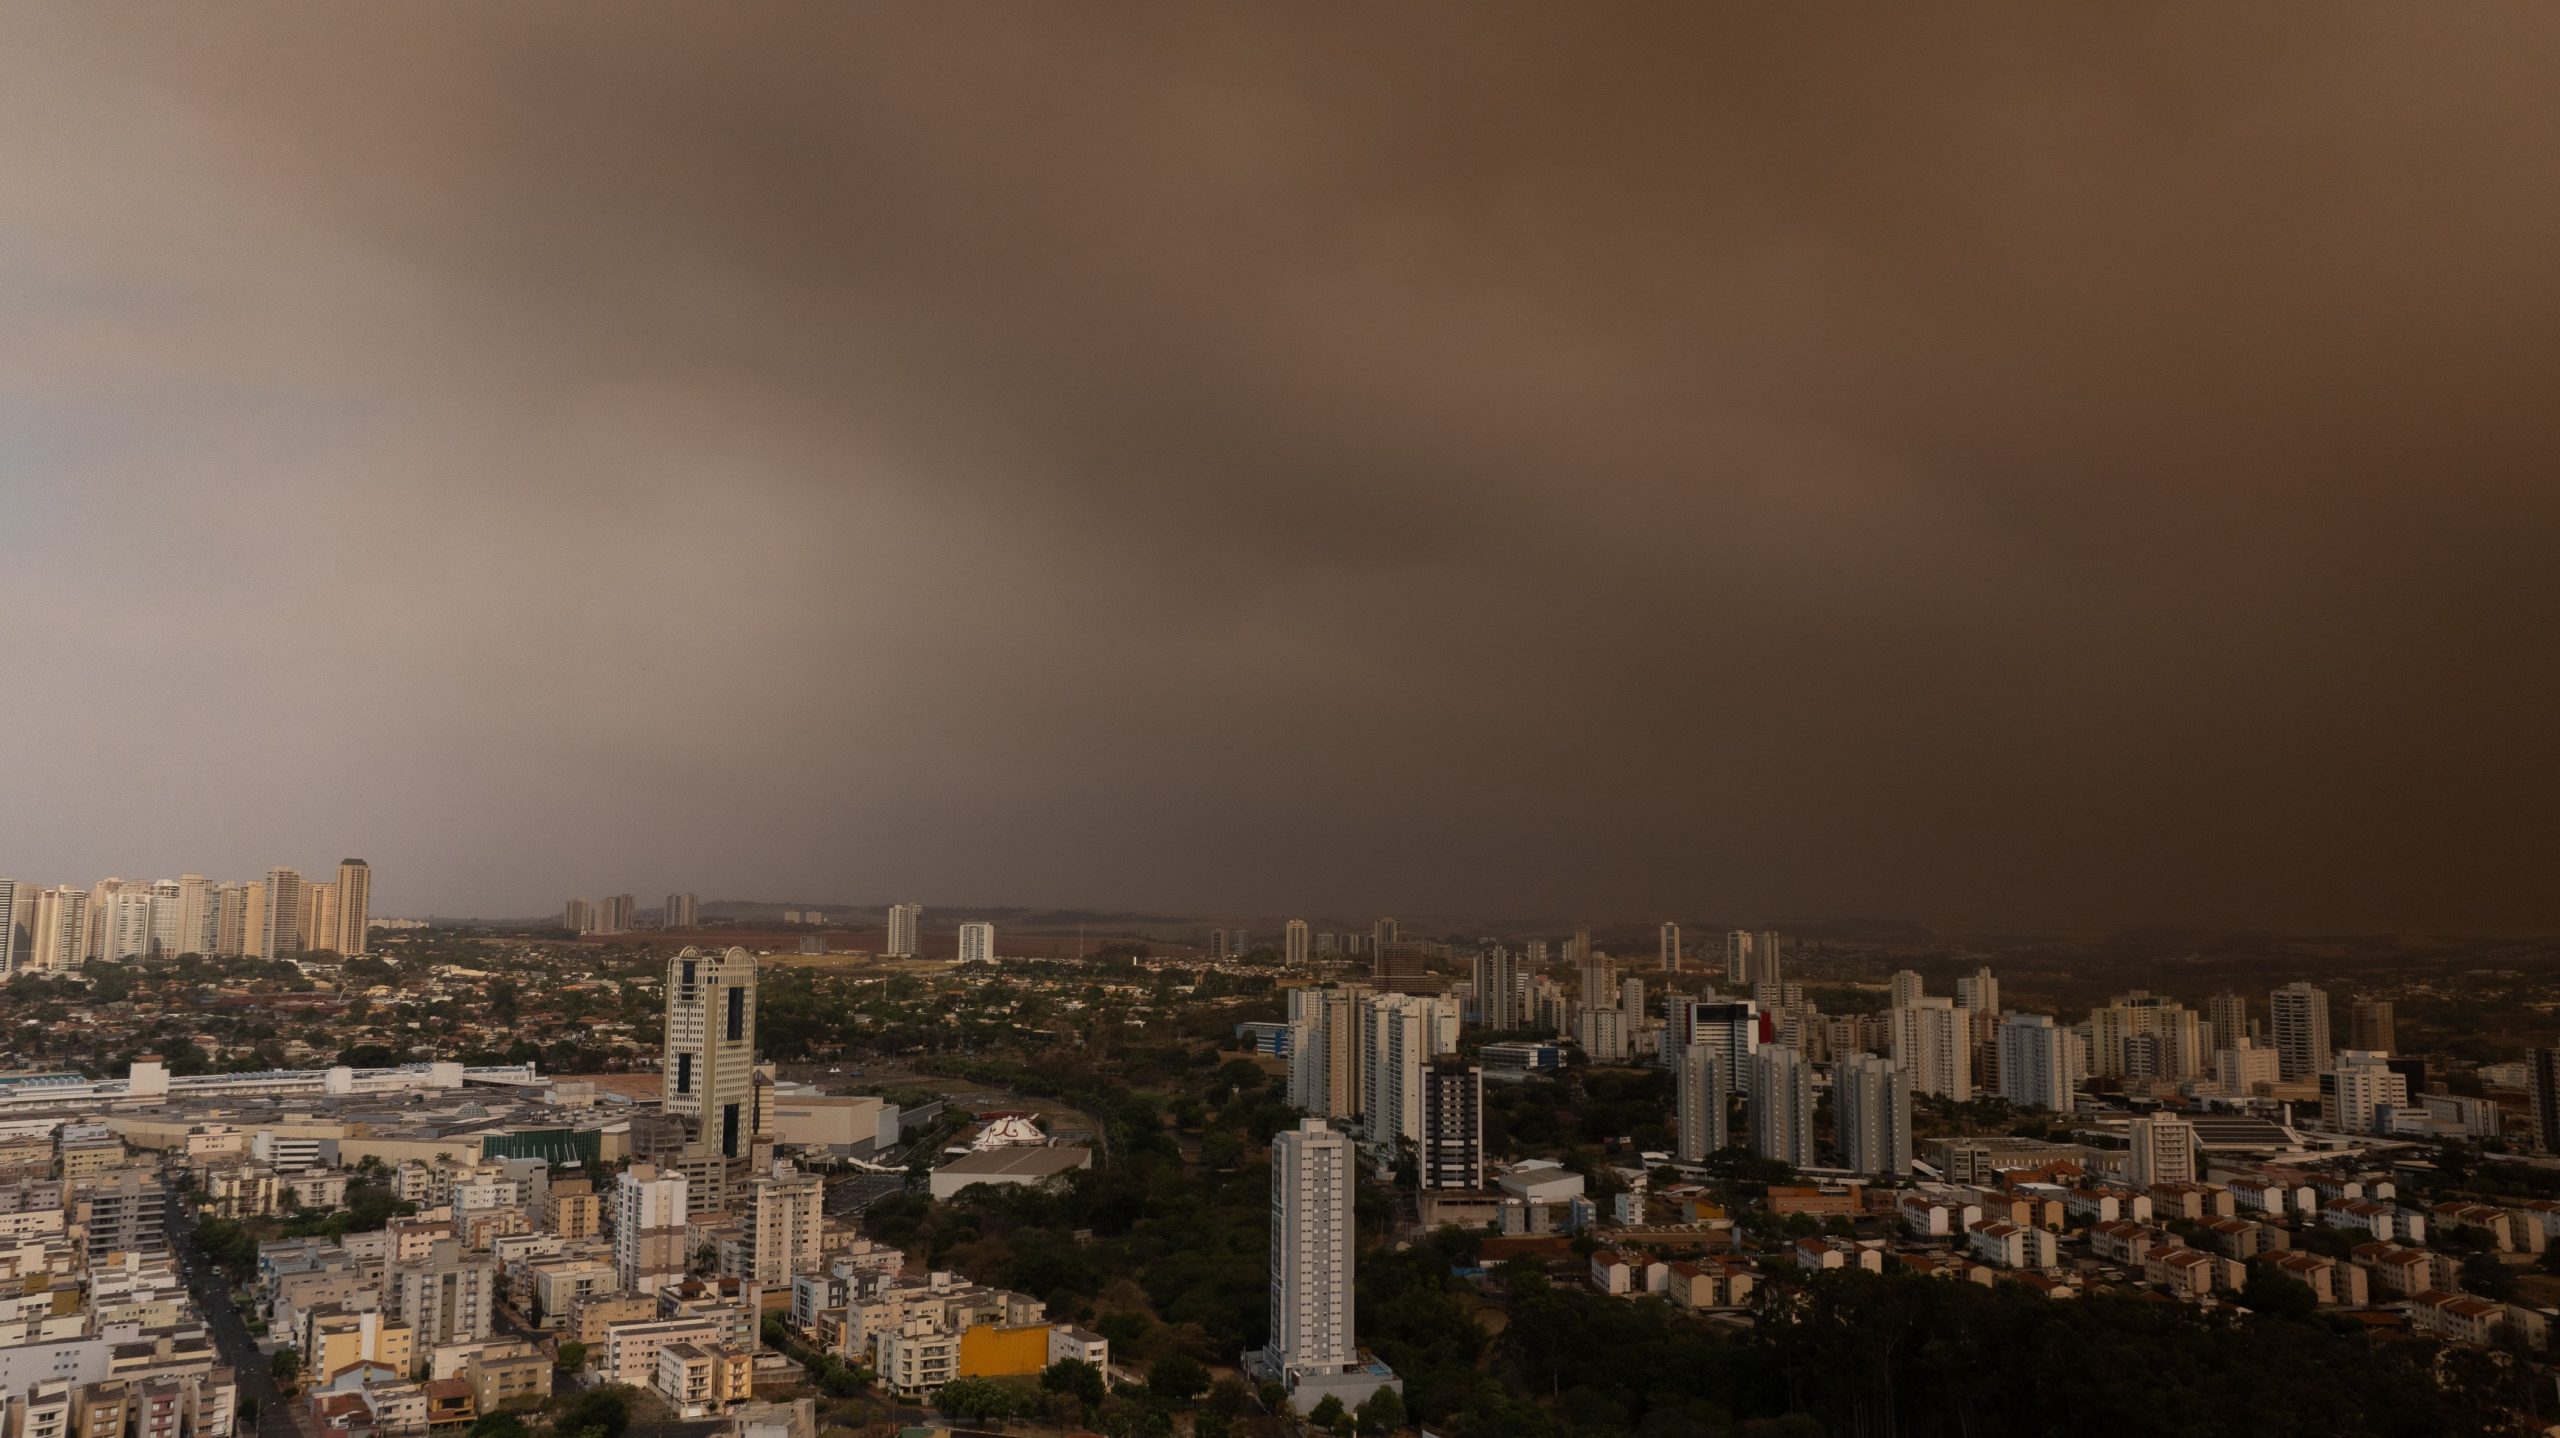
point(1979, 992)
point(2244, 1066)
point(1933, 1043)
point(2542, 1093)
point(616, 914)
point(254, 929)
point(709, 1060)
point(2299, 1014)
point(61, 930)
point(1312, 1243)
point(2142, 1035)
point(2163, 1151)
point(319, 916)
point(1670, 947)
point(1737, 955)
point(1381, 934)
point(906, 923)
point(2357, 1087)
point(2372, 1028)
point(1782, 1106)
point(2036, 1070)
point(977, 943)
point(781, 1225)
point(648, 1228)
point(1497, 983)
point(355, 907)
point(1871, 1110)
point(578, 916)
point(1730, 1027)
point(282, 933)
point(1698, 1103)
point(1768, 958)
point(1325, 1056)
point(232, 931)
point(15, 927)
point(1906, 989)
point(128, 925)
point(1296, 946)
point(683, 911)
point(2229, 1014)
point(449, 1295)
point(1452, 1153)
point(1398, 1042)
point(199, 921)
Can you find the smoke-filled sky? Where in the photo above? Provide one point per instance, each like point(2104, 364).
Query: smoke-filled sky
point(2034, 462)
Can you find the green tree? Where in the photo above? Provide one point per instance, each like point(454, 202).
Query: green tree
point(1382, 1413)
point(1177, 1378)
point(285, 1366)
point(595, 1413)
point(1077, 1377)
point(572, 1356)
point(2278, 1294)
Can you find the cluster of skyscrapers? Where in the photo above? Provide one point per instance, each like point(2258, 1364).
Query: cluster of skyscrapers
point(58, 928)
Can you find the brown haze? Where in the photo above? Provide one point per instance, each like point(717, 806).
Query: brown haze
point(2028, 462)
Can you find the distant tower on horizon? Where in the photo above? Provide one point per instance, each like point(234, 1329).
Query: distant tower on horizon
point(977, 943)
point(1670, 947)
point(1737, 955)
point(355, 907)
point(282, 932)
point(1293, 944)
point(905, 921)
point(683, 911)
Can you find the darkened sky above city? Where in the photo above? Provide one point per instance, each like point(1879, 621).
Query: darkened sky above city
point(2039, 463)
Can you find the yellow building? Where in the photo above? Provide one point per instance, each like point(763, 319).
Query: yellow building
point(991, 1350)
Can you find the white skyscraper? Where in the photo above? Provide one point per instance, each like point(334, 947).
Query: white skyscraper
point(1399, 1043)
point(1933, 1043)
point(2299, 1015)
point(1979, 990)
point(904, 922)
point(283, 931)
point(1698, 1103)
point(2163, 1150)
point(1311, 1250)
point(2036, 1070)
point(61, 929)
point(1871, 1108)
point(199, 915)
point(683, 911)
point(977, 943)
point(2354, 1090)
point(648, 1228)
point(1907, 989)
point(1782, 1106)
point(1294, 947)
point(355, 907)
point(128, 924)
point(709, 1057)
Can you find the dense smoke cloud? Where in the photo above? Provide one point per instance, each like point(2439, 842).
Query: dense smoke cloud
point(2065, 463)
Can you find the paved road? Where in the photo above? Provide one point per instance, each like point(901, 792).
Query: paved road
point(277, 1418)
